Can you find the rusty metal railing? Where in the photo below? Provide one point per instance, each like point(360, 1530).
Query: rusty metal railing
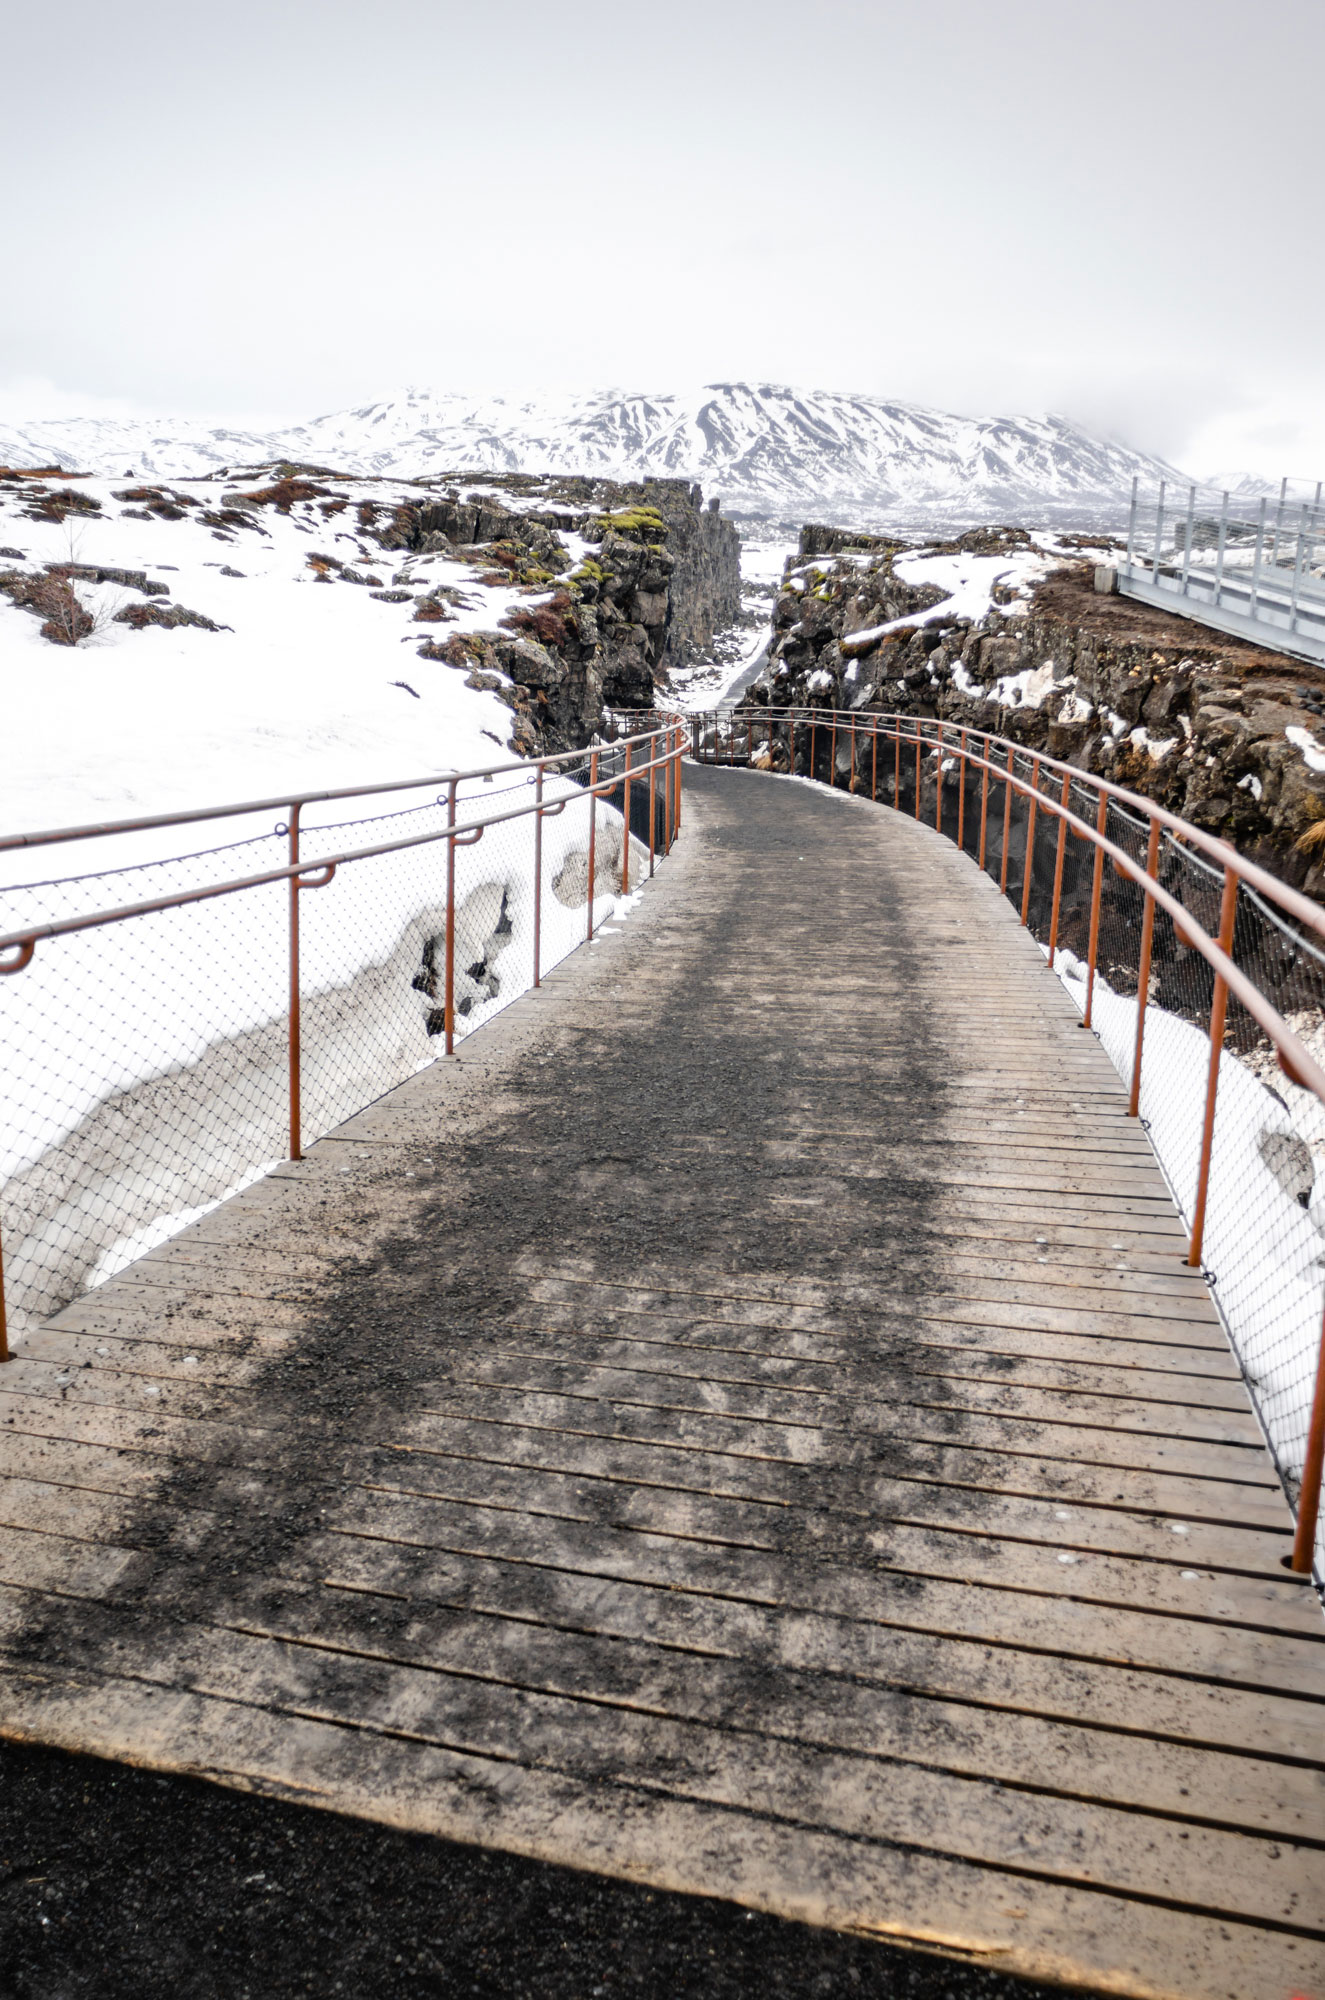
point(643, 768)
point(890, 758)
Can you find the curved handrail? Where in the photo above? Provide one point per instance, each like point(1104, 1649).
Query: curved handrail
point(32, 934)
point(102, 829)
point(976, 747)
point(661, 745)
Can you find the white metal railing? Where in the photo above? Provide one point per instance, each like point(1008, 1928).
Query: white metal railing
point(1251, 567)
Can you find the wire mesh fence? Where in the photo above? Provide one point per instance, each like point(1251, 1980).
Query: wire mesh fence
point(1249, 1183)
point(151, 1067)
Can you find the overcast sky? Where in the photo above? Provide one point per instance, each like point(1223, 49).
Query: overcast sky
point(273, 208)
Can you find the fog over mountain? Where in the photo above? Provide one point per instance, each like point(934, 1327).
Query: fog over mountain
point(764, 450)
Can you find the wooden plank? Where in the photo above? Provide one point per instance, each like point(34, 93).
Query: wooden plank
point(1198, 1505)
point(925, 1362)
point(1183, 1359)
point(646, 1493)
point(597, 1734)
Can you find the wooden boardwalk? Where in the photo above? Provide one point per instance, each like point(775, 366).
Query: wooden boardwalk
point(745, 1426)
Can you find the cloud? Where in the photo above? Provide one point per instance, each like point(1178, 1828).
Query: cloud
point(28, 397)
point(1275, 436)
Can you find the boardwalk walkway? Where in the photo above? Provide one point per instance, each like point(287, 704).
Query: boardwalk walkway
point(745, 1425)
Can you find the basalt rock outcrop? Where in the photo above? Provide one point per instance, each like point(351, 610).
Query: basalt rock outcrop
point(625, 581)
point(1228, 735)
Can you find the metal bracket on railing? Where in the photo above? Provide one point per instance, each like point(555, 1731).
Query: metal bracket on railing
point(319, 881)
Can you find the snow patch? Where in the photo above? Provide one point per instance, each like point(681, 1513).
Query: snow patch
point(1312, 754)
point(1263, 1245)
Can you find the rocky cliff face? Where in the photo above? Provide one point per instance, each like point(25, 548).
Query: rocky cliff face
point(1217, 730)
point(625, 581)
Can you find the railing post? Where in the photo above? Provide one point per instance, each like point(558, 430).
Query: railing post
point(4, 1321)
point(1007, 825)
point(1228, 908)
point(593, 834)
point(984, 801)
point(851, 781)
point(1279, 522)
point(1143, 979)
point(1308, 1494)
point(653, 796)
point(917, 728)
point(961, 791)
point(625, 829)
point(538, 870)
point(1131, 521)
point(676, 815)
point(1096, 887)
point(1297, 570)
point(1223, 546)
point(1191, 527)
point(938, 783)
point(874, 763)
point(1256, 561)
point(832, 752)
point(1058, 870)
point(674, 740)
point(295, 1025)
point(448, 998)
point(897, 763)
point(1029, 871)
point(1159, 533)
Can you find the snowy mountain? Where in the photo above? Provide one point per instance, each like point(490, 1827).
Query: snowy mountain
point(765, 450)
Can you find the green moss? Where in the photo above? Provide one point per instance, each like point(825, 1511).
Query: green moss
point(590, 572)
point(635, 521)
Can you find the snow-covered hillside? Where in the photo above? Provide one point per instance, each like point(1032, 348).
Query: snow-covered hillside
point(170, 643)
point(305, 681)
point(764, 449)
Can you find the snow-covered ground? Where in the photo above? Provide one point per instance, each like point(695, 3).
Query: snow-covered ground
point(314, 684)
point(1265, 1249)
point(142, 1073)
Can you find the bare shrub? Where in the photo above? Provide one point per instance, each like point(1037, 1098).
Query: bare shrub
point(67, 621)
point(546, 622)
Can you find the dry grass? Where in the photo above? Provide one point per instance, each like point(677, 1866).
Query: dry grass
point(548, 623)
point(63, 502)
point(283, 493)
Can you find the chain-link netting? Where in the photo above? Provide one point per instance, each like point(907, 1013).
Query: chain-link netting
point(146, 1069)
point(1263, 1227)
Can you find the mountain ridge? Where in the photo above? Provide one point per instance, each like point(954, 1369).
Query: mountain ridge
point(765, 449)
